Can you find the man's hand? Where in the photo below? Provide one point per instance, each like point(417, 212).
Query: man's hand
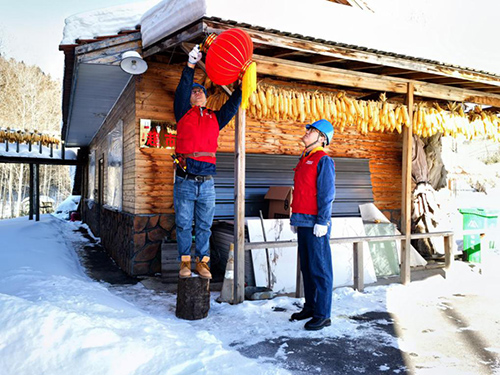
point(320, 230)
point(294, 229)
point(194, 55)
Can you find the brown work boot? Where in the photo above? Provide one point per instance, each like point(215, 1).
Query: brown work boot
point(185, 270)
point(202, 268)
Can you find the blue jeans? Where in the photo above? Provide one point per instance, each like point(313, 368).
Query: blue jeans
point(194, 200)
point(317, 273)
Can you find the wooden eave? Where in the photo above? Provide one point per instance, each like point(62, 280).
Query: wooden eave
point(295, 57)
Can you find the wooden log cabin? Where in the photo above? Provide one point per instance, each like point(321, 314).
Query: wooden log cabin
point(128, 189)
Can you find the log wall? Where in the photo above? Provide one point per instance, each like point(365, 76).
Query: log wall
point(154, 178)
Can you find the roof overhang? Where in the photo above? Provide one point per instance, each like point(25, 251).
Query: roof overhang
point(93, 84)
point(97, 88)
point(366, 71)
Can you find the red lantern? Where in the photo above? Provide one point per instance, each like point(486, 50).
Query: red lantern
point(229, 58)
point(229, 53)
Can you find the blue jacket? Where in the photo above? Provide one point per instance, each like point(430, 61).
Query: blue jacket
point(182, 104)
point(325, 195)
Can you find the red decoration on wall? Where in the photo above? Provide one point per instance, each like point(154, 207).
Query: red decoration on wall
point(153, 139)
point(228, 57)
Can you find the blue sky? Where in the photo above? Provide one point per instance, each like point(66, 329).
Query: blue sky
point(31, 30)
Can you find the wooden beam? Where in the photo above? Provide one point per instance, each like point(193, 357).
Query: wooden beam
point(36, 171)
point(315, 73)
point(372, 57)
point(448, 253)
point(185, 35)
point(32, 191)
point(358, 266)
point(406, 190)
point(239, 207)
point(104, 44)
point(111, 55)
point(299, 284)
point(308, 72)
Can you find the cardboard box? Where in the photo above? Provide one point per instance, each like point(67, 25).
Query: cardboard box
point(280, 200)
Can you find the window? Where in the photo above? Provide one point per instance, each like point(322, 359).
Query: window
point(91, 184)
point(114, 158)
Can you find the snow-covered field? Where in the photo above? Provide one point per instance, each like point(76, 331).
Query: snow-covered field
point(56, 320)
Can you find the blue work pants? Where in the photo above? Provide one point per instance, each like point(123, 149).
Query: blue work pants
point(316, 267)
point(194, 200)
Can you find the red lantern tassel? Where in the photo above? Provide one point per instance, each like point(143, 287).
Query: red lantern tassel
point(249, 82)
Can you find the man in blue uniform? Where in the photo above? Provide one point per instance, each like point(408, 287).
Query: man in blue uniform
point(194, 193)
point(313, 195)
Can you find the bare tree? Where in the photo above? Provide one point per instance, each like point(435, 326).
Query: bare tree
point(29, 100)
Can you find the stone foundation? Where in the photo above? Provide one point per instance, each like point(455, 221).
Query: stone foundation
point(133, 241)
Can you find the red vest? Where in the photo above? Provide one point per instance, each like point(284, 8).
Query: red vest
point(305, 187)
point(198, 133)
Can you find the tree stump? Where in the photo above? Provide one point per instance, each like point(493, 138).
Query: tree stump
point(193, 298)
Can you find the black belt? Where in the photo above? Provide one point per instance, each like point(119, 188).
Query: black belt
point(181, 173)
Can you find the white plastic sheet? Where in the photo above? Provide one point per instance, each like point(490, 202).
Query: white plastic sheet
point(91, 186)
point(114, 186)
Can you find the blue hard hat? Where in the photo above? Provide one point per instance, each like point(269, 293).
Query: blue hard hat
point(324, 127)
point(201, 87)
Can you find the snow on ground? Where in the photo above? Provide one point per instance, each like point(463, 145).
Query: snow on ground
point(55, 320)
point(69, 204)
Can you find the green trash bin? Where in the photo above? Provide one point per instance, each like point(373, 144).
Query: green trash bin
point(482, 221)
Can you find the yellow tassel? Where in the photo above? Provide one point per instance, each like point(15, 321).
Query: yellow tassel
point(249, 84)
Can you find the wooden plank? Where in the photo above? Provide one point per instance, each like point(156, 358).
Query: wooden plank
point(448, 254)
point(239, 208)
point(110, 55)
point(299, 284)
point(406, 198)
point(358, 267)
point(107, 43)
point(190, 33)
point(296, 70)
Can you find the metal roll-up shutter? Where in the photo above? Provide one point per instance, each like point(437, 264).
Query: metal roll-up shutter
point(353, 183)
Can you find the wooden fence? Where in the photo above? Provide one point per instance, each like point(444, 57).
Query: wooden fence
point(357, 253)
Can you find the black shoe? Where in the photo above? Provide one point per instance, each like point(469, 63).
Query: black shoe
point(301, 315)
point(316, 324)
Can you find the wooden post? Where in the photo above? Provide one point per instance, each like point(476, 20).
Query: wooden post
point(299, 286)
point(37, 191)
point(32, 182)
point(239, 207)
point(448, 253)
point(406, 199)
point(358, 266)
point(193, 298)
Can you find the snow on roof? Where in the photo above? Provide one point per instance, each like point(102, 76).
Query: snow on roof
point(24, 152)
point(106, 21)
point(427, 29)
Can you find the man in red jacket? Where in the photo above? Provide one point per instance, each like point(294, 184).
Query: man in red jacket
point(194, 192)
point(313, 195)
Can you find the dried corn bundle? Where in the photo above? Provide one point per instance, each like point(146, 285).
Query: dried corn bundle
point(281, 104)
point(26, 136)
point(273, 103)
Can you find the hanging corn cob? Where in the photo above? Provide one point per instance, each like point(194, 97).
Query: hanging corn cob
point(274, 103)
